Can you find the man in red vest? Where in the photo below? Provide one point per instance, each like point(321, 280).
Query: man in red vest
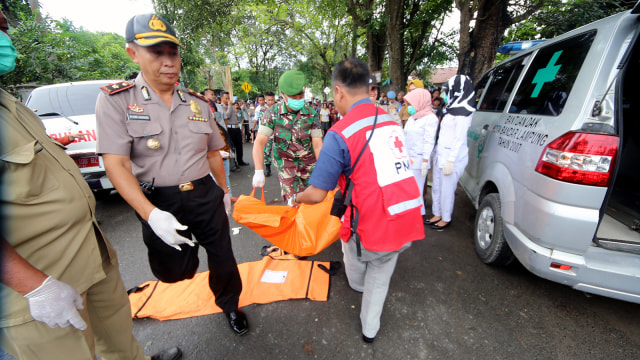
point(383, 215)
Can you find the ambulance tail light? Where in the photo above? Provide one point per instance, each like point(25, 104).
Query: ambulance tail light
point(580, 158)
point(560, 266)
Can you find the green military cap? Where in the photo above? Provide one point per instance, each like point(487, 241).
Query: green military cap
point(291, 82)
point(150, 29)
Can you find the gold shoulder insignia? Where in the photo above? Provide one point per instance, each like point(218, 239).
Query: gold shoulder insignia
point(117, 87)
point(198, 95)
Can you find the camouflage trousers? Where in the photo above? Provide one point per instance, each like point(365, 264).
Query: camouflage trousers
point(268, 152)
point(294, 175)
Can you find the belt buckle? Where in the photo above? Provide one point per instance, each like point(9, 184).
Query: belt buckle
point(187, 186)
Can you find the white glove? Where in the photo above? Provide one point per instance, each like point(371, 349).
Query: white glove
point(227, 203)
point(56, 304)
point(291, 203)
point(258, 178)
point(165, 225)
point(448, 168)
point(424, 168)
point(224, 154)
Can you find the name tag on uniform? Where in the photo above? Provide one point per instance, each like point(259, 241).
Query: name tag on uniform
point(138, 117)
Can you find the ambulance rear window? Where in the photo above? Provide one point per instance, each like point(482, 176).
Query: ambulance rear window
point(499, 91)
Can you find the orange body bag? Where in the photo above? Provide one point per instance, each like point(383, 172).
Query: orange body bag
point(304, 231)
point(278, 276)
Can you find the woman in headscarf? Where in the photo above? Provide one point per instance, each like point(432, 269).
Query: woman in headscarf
point(411, 85)
point(420, 134)
point(451, 154)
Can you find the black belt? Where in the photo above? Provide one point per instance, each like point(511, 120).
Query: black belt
point(233, 126)
point(185, 186)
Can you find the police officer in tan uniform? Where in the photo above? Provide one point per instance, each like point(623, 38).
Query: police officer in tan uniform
point(159, 142)
point(62, 295)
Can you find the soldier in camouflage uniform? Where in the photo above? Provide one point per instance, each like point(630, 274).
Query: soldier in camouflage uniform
point(297, 137)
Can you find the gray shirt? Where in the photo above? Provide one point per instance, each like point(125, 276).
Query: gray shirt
point(230, 115)
point(168, 145)
point(220, 115)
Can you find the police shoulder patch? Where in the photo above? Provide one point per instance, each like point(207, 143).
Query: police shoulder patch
point(117, 87)
point(198, 95)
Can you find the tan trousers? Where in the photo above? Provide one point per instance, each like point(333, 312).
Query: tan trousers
point(109, 329)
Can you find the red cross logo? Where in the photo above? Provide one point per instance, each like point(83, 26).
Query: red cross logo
point(396, 145)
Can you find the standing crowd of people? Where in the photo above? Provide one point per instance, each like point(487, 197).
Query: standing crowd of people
point(168, 152)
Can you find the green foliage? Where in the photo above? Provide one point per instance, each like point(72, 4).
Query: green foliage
point(16, 10)
point(555, 20)
point(258, 40)
point(55, 51)
point(426, 46)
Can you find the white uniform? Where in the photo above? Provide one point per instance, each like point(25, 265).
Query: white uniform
point(452, 146)
point(420, 137)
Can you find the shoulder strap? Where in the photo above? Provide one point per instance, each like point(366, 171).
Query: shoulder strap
point(348, 185)
point(198, 95)
point(117, 87)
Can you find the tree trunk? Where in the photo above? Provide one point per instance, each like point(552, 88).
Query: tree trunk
point(376, 45)
point(477, 56)
point(467, 9)
point(354, 40)
point(395, 39)
point(35, 5)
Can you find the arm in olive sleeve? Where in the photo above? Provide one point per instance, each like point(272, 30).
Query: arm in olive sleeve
point(17, 273)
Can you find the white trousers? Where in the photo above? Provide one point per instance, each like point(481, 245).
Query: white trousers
point(443, 190)
point(420, 180)
point(370, 274)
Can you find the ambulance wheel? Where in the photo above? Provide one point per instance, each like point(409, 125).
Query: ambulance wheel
point(490, 244)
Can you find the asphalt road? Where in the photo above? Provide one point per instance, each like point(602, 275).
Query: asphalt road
point(443, 303)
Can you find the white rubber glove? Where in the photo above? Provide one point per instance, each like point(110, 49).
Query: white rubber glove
point(291, 203)
point(224, 154)
point(227, 203)
point(56, 304)
point(258, 178)
point(165, 225)
point(448, 168)
point(424, 168)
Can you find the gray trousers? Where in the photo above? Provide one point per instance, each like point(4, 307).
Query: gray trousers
point(370, 274)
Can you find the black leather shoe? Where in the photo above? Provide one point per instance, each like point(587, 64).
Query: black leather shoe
point(238, 322)
point(428, 222)
point(440, 228)
point(267, 171)
point(235, 169)
point(170, 354)
point(367, 339)
point(244, 164)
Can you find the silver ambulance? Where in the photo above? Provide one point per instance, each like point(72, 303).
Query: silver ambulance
point(554, 159)
point(71, 108)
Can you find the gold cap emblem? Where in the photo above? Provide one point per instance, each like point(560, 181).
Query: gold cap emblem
point(156, 24)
